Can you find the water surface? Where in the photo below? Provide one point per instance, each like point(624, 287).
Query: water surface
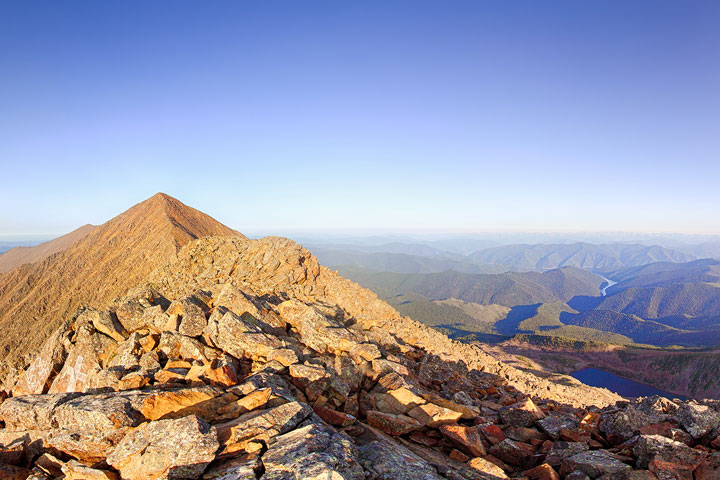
point(620, 385)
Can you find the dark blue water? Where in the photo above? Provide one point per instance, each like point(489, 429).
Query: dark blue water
point(622, 386)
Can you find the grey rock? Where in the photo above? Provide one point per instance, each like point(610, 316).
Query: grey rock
point(314, 450)
point(697, 420)
point(240, 336)
point(596, 463)
point(651, 447)
point(179, 448)
point(386, 460)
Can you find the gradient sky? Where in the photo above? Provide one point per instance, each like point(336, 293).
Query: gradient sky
point(385, 115)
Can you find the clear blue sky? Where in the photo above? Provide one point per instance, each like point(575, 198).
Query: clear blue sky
point(373, 115)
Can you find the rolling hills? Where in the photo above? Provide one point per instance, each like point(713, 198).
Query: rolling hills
point(508, 289)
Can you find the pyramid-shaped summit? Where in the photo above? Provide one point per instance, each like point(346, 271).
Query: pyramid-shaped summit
point(36, 298)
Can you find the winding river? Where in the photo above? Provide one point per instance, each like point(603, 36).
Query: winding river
point(610, 283)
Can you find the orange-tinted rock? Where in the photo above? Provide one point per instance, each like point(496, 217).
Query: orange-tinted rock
point(670, 471)
point(488, 467)
point(74, 470)
point(89, 448)
point(171, 403)
point(423, 439)
point(467, 438)
point(515, 453)
point(333, 417)
point(458, 456)
point(392, 424)
point(542, 472)
point(252, 401)
point(432, 415)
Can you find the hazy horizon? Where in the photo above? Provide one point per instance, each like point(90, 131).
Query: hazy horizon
point(387, 117)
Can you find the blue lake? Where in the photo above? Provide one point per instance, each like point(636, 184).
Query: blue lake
point(622, 386)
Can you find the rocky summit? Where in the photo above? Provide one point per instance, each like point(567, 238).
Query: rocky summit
point(246, 359)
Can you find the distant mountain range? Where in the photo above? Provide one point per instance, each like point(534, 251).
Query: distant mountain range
point(401, 262)
point(602, 258)
point(402, 257)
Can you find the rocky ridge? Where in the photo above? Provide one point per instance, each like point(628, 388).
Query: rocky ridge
point(246, 359)
point(21, 255)
point(35, 298)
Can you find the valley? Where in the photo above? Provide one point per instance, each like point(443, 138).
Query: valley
point(654, 320)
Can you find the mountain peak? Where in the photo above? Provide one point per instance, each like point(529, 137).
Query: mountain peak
point(36, 298)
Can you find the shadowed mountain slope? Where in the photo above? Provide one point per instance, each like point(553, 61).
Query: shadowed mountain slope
point(35, 298)
point(509, 289)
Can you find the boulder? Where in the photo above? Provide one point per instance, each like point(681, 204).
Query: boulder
point(468, 412)
point(90, 448)
point(432, 415)
point(32, 412)
point(562, 450)
point(240, 336)
point(89, 354)
point(176, 448)
point(175, 345)
point(333, 417)
point(261, 425)
point(492, 433)
point(698, 420)
point(39, 375)
point(99, 413)
point(489, 469)
point(191, 314)
point(709, 469)
point(620, 426)
point(131, 310)
point(515, 453)
point(595, 464)
point(552, 425)
point(542, 472)
point(650, 447)
point(318, 331)
point(521, 414)
point(105, 322)
point(244, 467)
point(313, 450)
point(74, 470)
point(366, 351)
point(392, 424)
point(467, 438)
point(285, 356)
point(386, 460)
point(50, 464)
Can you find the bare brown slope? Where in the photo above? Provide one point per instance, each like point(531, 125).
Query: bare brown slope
point(35, 298)
point(21, 255)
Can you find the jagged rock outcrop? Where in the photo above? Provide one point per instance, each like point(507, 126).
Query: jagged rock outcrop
point(247, 359)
